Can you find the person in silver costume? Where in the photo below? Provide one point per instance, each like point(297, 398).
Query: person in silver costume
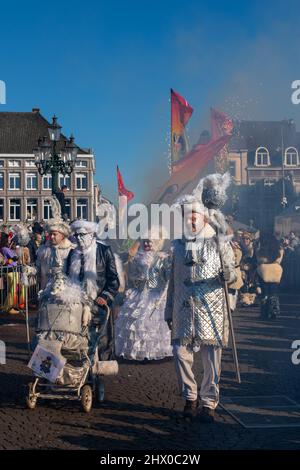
point(196, 309)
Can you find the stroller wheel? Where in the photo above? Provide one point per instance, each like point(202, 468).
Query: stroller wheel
point(100, 390)
point(31, 399)
point(86, 398)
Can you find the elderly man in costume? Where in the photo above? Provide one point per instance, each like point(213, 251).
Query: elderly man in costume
point(91, 265)
point(196, 309)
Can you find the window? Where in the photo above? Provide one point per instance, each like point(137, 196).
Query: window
point(1, 163)
point(262, 157)
point(14, 181)
point(269, 181)
point(81, 164)
point(31, 209)
point(81, 209)
point(65, 180)
point(68, 207)
point(30, 164)
point(291, 157)
point(232, 168)
point(14, 163)
point(1, 181)
point(46, 210)
point(1, 209)
point(31, 181)
point(47, 182)
point(81, 181)
point(15, 209)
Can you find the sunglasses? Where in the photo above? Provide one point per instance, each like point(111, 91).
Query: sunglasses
point(81, 235)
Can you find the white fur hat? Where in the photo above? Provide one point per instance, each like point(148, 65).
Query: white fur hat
point(83, 226)
point(190, 203)
point(22, 234)
point(56, 225)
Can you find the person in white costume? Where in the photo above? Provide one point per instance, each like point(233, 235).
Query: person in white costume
point(141, 332)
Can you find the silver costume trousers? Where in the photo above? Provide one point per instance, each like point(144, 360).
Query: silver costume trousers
point(211, 360)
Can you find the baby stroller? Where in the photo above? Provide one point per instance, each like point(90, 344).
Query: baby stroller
point(71, 369)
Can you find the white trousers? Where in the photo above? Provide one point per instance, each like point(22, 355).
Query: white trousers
point(211, 360)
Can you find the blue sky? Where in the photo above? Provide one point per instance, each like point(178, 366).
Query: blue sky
point(105, 69)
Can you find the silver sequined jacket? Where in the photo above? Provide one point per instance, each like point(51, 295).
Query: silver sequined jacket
point(195, 299)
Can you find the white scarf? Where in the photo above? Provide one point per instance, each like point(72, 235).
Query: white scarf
point(90, 272)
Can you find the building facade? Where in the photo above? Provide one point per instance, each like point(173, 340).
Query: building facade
point(266, 152)
point(23, 192)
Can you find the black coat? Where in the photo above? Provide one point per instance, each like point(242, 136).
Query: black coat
point(33, 248)
point(107, 276)
point(61, 199)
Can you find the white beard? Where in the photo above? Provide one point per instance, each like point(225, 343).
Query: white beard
point(90, 273)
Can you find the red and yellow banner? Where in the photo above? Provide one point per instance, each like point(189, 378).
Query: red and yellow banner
point(181, 112)
point(189, 168)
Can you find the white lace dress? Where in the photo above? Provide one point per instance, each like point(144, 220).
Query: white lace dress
point(140, 330)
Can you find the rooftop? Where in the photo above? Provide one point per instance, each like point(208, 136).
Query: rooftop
point(20, 131)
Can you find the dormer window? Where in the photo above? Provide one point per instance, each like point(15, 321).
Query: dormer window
point(291, 157)
point(262, 157)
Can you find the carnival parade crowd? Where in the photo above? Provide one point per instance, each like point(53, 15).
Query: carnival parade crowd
point(165, 302)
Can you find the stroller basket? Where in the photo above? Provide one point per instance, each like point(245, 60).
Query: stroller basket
point(79, 376)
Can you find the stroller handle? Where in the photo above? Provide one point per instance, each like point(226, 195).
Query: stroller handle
point(108, 311)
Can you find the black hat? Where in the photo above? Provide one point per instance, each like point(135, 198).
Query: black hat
point(37, 228)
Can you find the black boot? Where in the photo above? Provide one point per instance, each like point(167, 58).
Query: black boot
point(206, 415)
point(190, 408)
point(264, 309)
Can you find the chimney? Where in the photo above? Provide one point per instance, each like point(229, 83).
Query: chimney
point(35, 110)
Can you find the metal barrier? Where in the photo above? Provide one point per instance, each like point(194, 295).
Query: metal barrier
point(18, 286)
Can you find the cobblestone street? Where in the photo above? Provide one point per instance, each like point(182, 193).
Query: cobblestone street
point(142, 407)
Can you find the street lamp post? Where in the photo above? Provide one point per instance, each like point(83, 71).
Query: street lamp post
point(47, 158)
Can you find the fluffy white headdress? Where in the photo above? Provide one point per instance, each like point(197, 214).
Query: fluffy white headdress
point(207, 198)
point(191, 203)
point(22, 233)
point(211, 191)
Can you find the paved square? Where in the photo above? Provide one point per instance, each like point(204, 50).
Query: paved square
point(274, 411)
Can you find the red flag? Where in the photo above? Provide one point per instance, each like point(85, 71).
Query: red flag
point(121, 188)
point(220, 124)
point(200, 155)
point(189, 167)
point(181, 112)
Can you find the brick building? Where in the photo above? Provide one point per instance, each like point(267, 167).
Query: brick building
point(22, 190)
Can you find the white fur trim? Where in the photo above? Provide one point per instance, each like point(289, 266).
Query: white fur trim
point(59, 226)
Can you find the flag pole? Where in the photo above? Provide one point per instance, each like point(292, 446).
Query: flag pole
point(171, 134)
